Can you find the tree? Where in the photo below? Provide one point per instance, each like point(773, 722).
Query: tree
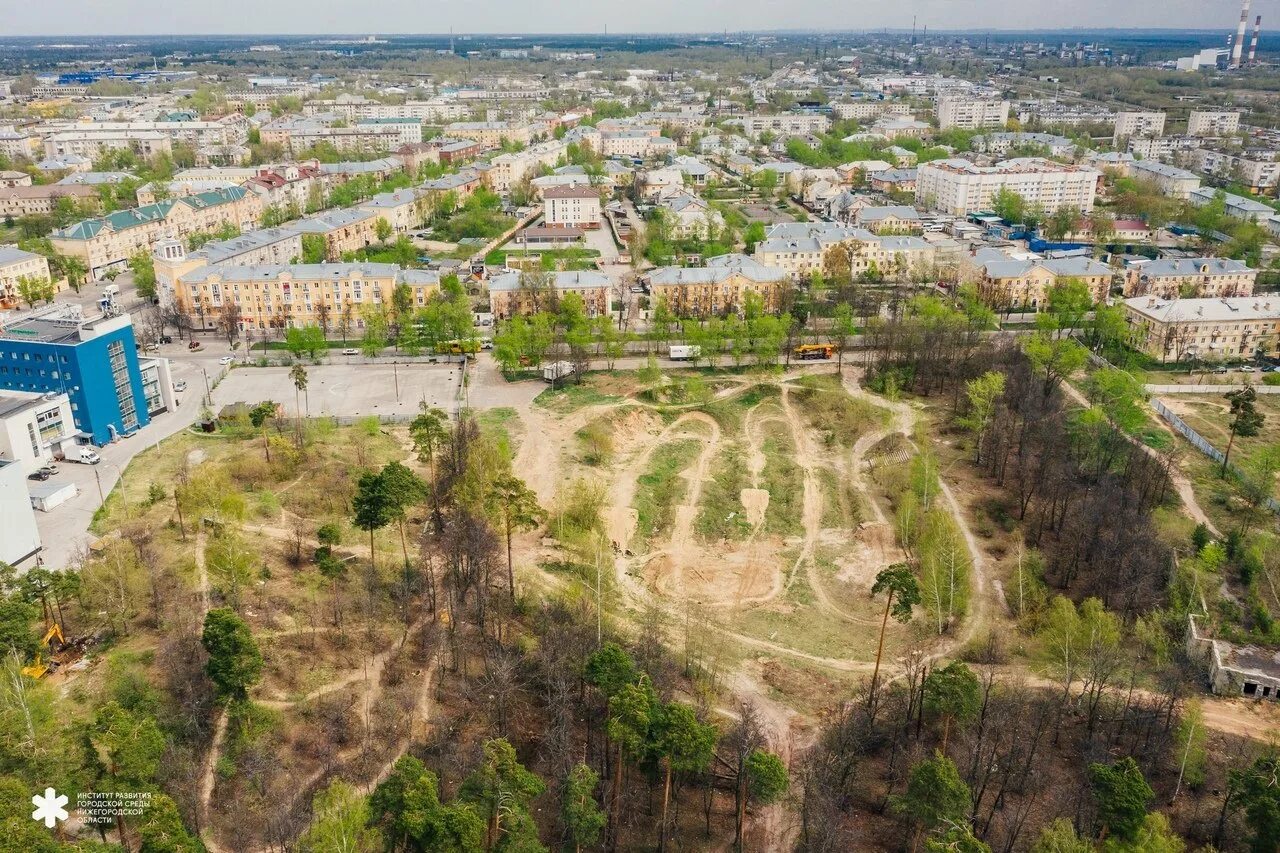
point(1069, 301)
point(501, 790)
point(404, 489)
point(1256, 789)
point(956, 839)
point(298, 374)
point(376, 332)
point(935, 796)
point(162, 830)
point(315, 249)
point(632, 711)
point(766, 777)
point(1246, 420)
point(1154, 836)
point(1008, 205)
point(517, 506)
point(983, 395)
point(683, 744)
point(1190, 740)
point(32, 289)
point(407, 806)
point(1060, 837)
point(233, 563)
point(235, 663)
point(129, 747)
point(902, 593)
point(382, 230)
point(340, 823)
point(952, 693)
point(1122, 795)
point(373, 507)
point(144, 273)
point(582, 817)
point(429, 431)
point(1053, 357)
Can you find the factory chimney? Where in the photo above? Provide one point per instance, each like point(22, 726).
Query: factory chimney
point(1253, 45)
point(1237, 47)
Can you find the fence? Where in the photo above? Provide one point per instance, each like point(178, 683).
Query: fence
point(1209, 389)
point(1196, 439)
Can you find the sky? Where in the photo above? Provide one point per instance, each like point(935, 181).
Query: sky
point(147, 17)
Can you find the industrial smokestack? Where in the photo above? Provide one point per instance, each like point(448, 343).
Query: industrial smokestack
point(1237, 47)
point(1253, 45)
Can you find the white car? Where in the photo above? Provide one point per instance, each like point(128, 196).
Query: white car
point(1248, 368)
point(180, 385)
point(350, 351)
point(226, 359)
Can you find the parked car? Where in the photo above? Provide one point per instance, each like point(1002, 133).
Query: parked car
point(226, 359)
point(181, 385)
point(50, 469)
point(38, 475)
point(1221, 369)
point(1246, 368)
point(351, 351)
point(193, 345)
point(166, 339)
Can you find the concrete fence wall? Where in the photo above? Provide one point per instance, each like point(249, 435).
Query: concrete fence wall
point(1199, 442)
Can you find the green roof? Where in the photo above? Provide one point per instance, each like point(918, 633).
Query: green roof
point(123, 220)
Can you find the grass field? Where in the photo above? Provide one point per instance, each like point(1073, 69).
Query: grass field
point(661, 488)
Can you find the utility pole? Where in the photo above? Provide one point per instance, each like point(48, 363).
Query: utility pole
point(98, 479)
point(395, 375)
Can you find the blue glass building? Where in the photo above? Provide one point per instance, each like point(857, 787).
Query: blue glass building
point(94, 361)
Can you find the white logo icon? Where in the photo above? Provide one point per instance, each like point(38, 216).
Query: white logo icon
point(49, 808)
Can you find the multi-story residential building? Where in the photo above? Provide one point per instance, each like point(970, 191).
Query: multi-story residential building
point(958, 186)
point(509, 169)
point(461, 184)
point(490, 134)
point(636, 143)
point(900, 127)
point(343, 230)
point(33, 427)
point(1000, 143)
point(1200, 278)
point(1258, 171)
point(93, 361)
point(9, 178)
point(288, 186)
point(1161, 147)
point(15, 143)
point(355, 107)
point(718, 289)
point(868, 109)
point(43, 199)
point(574, 206)
point(971, 113)
point(408, 130)
point(891, 219)
point(799, 248)
point(254, 248)
point(1213, 123)
point(784, 124)
point(414, 157)
point(1237, 206)
point(281, 296)
point(458, 150)
point(1174, 330)
point(515, 293)
point(295, 134)
point(404, 210)
point(108, 242)
point(1172, 181)
point(146, 143)
point(1007, 283)
point(689, 216)
point(1138, 123)
point(16, 264)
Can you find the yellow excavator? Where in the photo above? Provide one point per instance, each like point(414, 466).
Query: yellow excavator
point(53, 641)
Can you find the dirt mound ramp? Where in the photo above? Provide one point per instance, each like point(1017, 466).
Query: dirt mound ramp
point(755, 503)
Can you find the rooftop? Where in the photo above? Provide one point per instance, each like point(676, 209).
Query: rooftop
point(1261, 307)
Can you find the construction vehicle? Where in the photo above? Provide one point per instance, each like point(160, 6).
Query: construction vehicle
point(54, 641)
point(807, 352)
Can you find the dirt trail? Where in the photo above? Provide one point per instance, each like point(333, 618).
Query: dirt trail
point(682, 549)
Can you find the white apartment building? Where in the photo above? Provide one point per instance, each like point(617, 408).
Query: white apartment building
point(507, 170)
point(1161, 147)
point(1257, 171)
point(637, 144)
point(33, 426)
point(574, 206)
point(1172, 181)
point(1135, 123)
point(16, 264)
point(1213, 123)
point(490, 134)
point(408, 130)
point(971, 113)
point(787, 124)
point(959, 187)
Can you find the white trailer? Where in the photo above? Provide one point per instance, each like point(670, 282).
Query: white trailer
point(45, 496)
point(681, 352)
point(557, 370)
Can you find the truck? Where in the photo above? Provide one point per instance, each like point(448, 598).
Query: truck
point(557, 370)
point(110, 291)
point(809, 352)
point(81, 453)
point(683, 352)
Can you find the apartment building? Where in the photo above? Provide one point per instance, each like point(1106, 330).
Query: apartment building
point(786, 124)
point(408, 130)
point(1211, 329)
point(799, 248)
point(295, 134)
point(1172, 181)
point(636, 144)
point(507, 170)
point(404, 210)
point(15, 144)
point(16, 264)
point(1199, 278)
point(1131, 123)
point(863, 110)
point(253, 248)
point(356, 107)
point(1237, 206)
point(490, 134)
point(1000, 143)
point(958, 186)
point(290, 185)
point(513, 293)
point(1213, 123)
point(572, 206)
point(92, 145)
point(689, 216)
point(33, 427)
point(971, 113)
point(890, 219)
point(343, 230)
point(1006, 282)
point(718, 289)
point(459, 150)
point(281, 296)
point(43, 199)
point(108, 242)
point(1258, 171)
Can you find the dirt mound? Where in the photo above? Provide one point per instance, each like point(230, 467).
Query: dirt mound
point(755, 502)
point(724, 576)
point(875, 549)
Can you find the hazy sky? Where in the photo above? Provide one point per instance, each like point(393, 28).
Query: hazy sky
point(71, 17)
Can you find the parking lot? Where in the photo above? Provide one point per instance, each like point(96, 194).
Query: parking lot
point(358, 389)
